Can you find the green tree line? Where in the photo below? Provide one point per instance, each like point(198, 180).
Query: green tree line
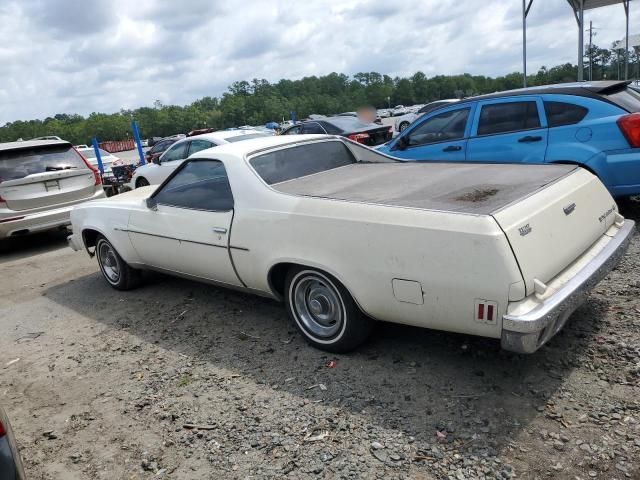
point(259, 101)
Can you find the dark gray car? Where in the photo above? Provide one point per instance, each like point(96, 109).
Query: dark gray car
point(10, 463)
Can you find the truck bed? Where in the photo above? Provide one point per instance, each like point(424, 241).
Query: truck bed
point(479, 189)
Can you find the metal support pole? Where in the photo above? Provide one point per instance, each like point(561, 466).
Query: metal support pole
point(590, 50)
point(136, 137)
point(96, 149)
point(625, 3)
point(525, 12)
point(580, 40)
point(524, 45)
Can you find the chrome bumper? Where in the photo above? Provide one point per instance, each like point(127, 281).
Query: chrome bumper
point(527, 332)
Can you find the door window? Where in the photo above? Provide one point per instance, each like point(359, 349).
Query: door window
point(313, 127)
point(508, 117)
point(440, 128)
point(198, 145)
point(176, 152)
point(198, 185)
point(293, 130)
point(561, 113)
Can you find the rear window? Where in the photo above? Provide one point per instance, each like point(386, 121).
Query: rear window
point(15, 164)
point(248, 136)
point(561, 113)
point(300, 161)
point(508, 117)
point(628, 99)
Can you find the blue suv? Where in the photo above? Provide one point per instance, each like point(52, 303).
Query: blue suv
point(595, 125)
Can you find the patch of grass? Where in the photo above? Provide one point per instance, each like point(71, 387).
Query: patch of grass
point(185, 380)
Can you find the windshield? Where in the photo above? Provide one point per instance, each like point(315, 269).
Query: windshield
point(302, 160)
point(15, 164)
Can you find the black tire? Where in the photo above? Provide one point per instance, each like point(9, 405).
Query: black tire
point(313, 300)
point(142, 182)
point(114, 269)
point(403, 126)
point(125, 189)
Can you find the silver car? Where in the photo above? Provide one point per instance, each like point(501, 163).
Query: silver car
point(10, 463)
point(40, 182)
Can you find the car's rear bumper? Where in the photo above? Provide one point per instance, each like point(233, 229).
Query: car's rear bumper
point(14, 223)
point(528, 331)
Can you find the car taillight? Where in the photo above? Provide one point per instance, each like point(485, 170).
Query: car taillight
point(96, 173)
point(630, 127)
point(3, 431)
point(358, 137)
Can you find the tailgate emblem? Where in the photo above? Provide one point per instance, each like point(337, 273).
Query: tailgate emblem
point(568, 210)
point(525, 230)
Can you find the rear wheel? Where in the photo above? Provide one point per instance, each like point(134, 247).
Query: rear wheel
point(403, 126)
point(114, 269)
point(324, 311)
point(142, 182)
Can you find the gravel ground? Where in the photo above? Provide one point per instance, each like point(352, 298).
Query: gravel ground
point(186, 381)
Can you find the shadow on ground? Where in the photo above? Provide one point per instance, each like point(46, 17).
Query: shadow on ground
point(405, 378)
point(15, 248)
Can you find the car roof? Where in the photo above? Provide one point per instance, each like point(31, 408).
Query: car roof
point(222, 135)
point(584, 89)
point(31, 144)
point(253, 145)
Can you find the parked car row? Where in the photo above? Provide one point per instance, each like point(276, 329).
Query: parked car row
point(593, 125)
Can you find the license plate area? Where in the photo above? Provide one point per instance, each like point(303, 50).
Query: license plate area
point(51, 185)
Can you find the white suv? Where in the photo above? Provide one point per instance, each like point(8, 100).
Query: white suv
point(40, 182)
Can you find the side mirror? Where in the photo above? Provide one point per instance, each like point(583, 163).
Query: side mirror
point(156, 160)
point(151, 203)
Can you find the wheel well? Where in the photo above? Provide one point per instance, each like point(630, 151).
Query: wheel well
point(89, 238)
point(278, 275)
point(139, 179)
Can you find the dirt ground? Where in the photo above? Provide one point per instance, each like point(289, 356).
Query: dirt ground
point(186, 381)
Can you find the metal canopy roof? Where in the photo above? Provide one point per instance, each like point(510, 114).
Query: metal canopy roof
point(591, 4)
point(578, 7)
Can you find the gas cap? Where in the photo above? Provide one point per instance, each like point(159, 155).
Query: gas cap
point(584, 134)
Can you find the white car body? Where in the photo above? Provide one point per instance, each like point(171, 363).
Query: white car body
point(108, 159)
point(425, 244)
point(155, 174)
point(40, 182)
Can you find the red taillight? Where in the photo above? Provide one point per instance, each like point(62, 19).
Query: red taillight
point(630, 127)
point(358, 137)
point(3, 432)
point(96, 173)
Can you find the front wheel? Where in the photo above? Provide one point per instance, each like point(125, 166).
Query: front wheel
point(403, 126)
point(114, 269)
point(324, 311)
point(142, 182)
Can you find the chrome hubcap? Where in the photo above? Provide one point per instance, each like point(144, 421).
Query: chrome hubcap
point(109, 262)
point(318, 306)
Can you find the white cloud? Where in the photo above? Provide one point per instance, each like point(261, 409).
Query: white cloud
point(75, 56)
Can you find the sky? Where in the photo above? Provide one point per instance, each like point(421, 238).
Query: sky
point(78, 56)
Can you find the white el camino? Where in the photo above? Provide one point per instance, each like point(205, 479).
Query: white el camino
point(345, 235)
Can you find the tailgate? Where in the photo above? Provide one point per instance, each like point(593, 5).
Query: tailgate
point(551, 228)
point(48, 189)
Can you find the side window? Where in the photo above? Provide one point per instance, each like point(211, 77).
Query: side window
point(176, 152)
point(197, 145)
point(561, 113)
point(312, 127)
point(293, 130)
point(198, 185)
point(440, 128)
point(508, 117)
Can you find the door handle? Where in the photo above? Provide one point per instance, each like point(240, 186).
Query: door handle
point(220, 230)
point(530, 138)
point(452, 148)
